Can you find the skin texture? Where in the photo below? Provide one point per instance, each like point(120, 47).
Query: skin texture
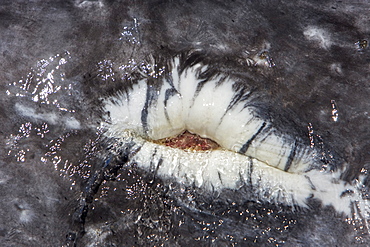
point(60, 185)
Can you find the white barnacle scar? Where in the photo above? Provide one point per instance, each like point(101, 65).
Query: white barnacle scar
point(278, 167)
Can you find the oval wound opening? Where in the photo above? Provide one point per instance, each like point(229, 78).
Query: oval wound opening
point(189, 141)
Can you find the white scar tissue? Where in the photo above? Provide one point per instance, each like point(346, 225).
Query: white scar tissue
point(278, 167)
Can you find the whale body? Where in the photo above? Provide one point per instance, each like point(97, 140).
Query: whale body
point(89, 87)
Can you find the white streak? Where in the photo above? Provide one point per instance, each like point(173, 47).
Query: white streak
point(52, 118)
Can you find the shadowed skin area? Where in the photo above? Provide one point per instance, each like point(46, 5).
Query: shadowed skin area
point(306, 62)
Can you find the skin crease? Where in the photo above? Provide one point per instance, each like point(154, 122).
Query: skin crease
point(317, 62)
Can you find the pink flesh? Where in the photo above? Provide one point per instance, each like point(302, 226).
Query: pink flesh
point(189, 141)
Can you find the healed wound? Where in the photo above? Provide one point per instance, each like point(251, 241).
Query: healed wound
point(245, 150)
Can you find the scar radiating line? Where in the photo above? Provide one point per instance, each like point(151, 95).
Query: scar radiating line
point(194, 97)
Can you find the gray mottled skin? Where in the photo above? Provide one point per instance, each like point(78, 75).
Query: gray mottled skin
point(40, 204)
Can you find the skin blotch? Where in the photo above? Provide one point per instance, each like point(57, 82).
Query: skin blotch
point(189, 141)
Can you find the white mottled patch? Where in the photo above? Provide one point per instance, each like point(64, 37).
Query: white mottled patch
point(72, 123)
point(31, 113)
point(336, 68)
point(319, 35)
point(97, 235)
point(26, 214)
point(52, 118)
point(89, 4)
point(3, 177)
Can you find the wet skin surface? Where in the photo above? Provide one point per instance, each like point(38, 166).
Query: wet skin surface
point(307, 64)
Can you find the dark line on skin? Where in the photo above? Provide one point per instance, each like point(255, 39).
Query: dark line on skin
point(127, 94)
point(169, 93)
point(246, 96)
point(241, 178)
point(246, 145)
point(265, 137)
point(151, 159)
point(168, 76)
point(144, 111)
point(203, 78)
point(346, 192)
point(199, 88)
point(105, 172)
point(221, 80)
point(209, 73)
point(160, 161)
point(301, 156)
point(133, 152)
point(309, 180)
point(150, 97)
point(291, 157)
point(169, 80)
point(232, 103)
point(238, 97)
point(155, 172)
point(213, 188)
point(219, 176)
point(154, 167)
point(129, 149)
point(250, 175)
point(187, 61)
